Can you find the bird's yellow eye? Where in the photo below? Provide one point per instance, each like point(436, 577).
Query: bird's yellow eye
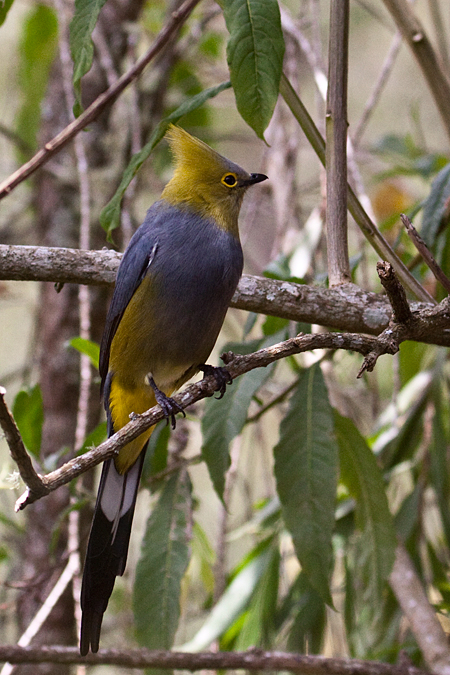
point(230, 180)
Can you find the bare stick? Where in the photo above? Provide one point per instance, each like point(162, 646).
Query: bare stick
point(375, 95)
point(253, 659)
point(390, 339)
point(425, 252)
point(368, 228)
point(52, 147)
point(395, 291)
point(425, 626)
point(422, 49)
point(17, 448)
point(336, 145)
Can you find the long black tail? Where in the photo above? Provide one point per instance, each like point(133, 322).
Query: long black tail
point(107, 550)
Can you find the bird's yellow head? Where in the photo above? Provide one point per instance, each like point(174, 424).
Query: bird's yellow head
point(206, 182)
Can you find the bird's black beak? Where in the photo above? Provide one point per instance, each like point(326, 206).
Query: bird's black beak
point(254, 178)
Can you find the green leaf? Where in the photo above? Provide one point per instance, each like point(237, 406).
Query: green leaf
point(91, 349)
point(5, 6)
point(255, 53)
point(110, 215)
point(230, 605)
point(163, 562)
point(94, 438)
point(435, 206)
point(81, 46)
point(258, 621)
point(439, 466)
point(37, 51)
point(28, 412)
point(362, 477)
point(224, 421)
point(306, 632)
point(306, 473)
point(157, 451)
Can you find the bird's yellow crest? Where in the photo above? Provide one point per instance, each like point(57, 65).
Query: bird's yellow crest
point(204, 181)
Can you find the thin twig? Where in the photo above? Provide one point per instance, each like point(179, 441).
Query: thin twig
point(414, 34)
point(336, 145)
point(395, 292)
point(403, 319)
point(425, 252)
point(73, 529)
point(94, 110)
point(374, 97)
point(17, 448)
point(369, 229)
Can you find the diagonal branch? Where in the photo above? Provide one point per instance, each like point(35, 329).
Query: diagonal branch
point(425, 252)
point(367, 227)
point(425, 625)
point(387, 343)
point(17, 448)
point(414, 34)
point(56, 144)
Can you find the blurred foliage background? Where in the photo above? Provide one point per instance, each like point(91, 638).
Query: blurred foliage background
point(292, 548)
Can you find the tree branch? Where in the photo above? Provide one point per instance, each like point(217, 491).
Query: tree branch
point(367, 227)
point(336, 145)
point(422, 49)
point(17, 448)
point(236, 364)
point(253, 659)
point(52, 147)
point(395, 291)
point(345, 308)
point(416, 607)
point(425, 252)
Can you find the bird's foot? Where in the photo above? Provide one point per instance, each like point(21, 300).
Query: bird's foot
point(169, 406)
point(220, 374)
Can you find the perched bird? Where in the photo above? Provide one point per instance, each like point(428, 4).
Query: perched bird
point(173, 288)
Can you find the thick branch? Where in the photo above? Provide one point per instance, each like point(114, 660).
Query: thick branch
point(52, 147)
point(253, 659)
point(345, 308)
point(336, 145)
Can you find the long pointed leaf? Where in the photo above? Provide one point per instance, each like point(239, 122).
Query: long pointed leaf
point(306, 473)
point(163, 562)
point(361, 475)
point(81, 46)
point(255, 53)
